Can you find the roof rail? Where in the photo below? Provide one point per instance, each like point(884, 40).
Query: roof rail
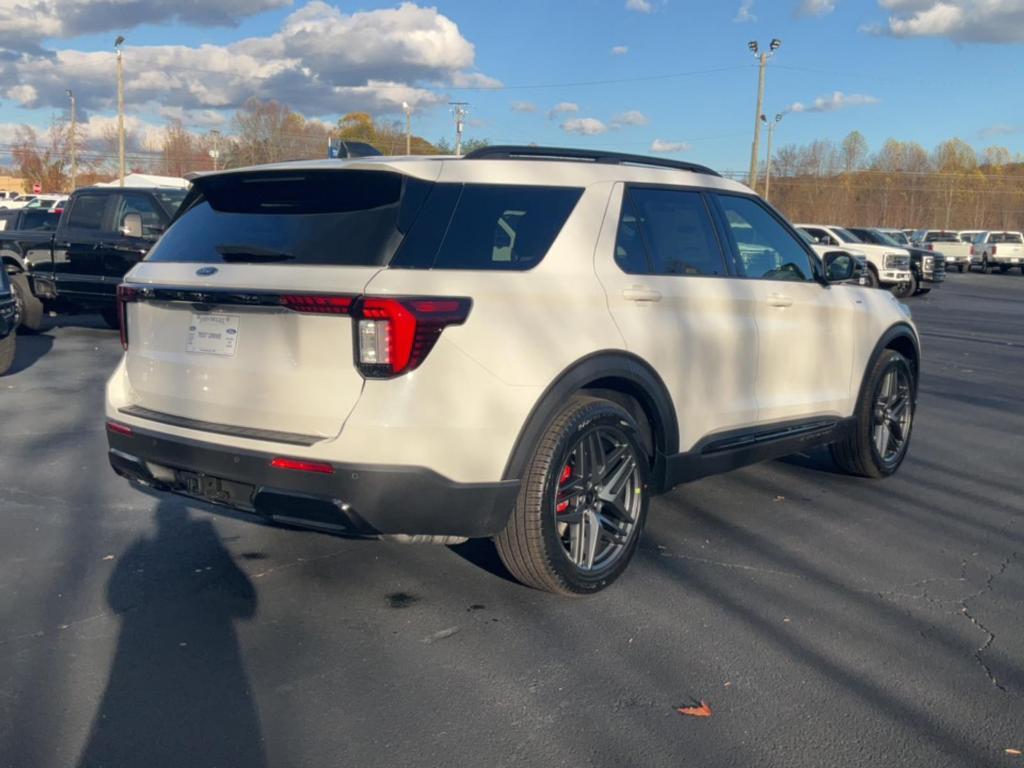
point(512, 152)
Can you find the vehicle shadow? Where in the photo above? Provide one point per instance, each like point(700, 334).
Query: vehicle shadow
point(484, 555)
point(177, 693)
point(30, 349)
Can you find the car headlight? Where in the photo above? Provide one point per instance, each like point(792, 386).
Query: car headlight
point(896, 261)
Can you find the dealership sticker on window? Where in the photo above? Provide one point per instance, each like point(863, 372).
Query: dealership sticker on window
point(213, 334)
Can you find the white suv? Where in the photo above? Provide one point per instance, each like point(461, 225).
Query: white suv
point(524, 344)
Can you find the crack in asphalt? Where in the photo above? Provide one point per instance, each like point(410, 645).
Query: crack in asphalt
point(991, 637)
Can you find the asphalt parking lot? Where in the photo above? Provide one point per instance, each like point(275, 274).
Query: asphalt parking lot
point(826, 620)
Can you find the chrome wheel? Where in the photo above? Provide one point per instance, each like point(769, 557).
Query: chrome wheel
point(598, 498)
point(894, 410)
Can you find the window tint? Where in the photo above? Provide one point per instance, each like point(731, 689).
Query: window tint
point(504, 227)
point(820, 235)
point(170, 198)
point(87, 212)
point(1005, 237)
point(677, 230)
point(152, 223)
point(44, 220)
point(630, 253)
point(766, 249)
point(941, 237)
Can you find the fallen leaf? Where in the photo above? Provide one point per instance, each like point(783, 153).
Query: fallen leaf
point(444, 633)
point(108, 557)
point(1012, 751)
point(728, 683)
point(701, 710)
point(780, 498)
point(786, 620)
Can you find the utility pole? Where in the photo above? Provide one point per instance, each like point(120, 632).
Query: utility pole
point(459, 109)
point(768, 161)
point(408, 127)
point(762, 65)
point(74, 141)
point(214, 151)
point(120, 108)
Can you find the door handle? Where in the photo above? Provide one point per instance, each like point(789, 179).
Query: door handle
point(639, 293)
point(779, 300)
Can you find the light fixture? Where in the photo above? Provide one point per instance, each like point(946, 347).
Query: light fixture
point(752, 45)
point(775, 43)
point(119, 41)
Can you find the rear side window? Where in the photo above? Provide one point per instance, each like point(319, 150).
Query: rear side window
point(87, 212)
point(667, 232)
point(44, 220)
point(347, 218)
point(498, 227)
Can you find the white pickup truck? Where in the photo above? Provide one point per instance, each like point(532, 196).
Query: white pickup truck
point(889, 266)
point(998, 250)
point(948, 243)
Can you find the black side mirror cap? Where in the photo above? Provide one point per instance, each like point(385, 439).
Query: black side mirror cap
point(839, 266)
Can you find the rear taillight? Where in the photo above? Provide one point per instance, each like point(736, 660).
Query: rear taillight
point(120, 429)
point(994, 247)
point(318, 304)
point(125, 294)
point(393, 336)
point(930, 246)
point(302, 466)
point(972, 250)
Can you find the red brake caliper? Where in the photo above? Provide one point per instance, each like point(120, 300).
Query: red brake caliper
point(562, 506)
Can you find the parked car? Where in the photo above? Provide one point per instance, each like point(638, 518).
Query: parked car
point(998, 250)
point(861, 273)
point(968, 235)
point(948, 243)
point(8, 324)
point(525, 344)
point(24, 230)
point(46, 202)
point(18, 201)
point(890, 266)
point(928, 268)
point(7, 195)
point(102, 234)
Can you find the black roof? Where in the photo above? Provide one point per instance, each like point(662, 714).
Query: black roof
point(512, 152)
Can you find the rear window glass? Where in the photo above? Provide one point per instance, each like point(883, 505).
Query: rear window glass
point(504, 227)
point(1005, 237)
point(87, 212)
point(306, 217)
point(941, 237)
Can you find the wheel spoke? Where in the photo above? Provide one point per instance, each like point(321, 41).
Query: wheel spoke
point(597, 457)
point(614, 485)
point(882, 439)
point(591, 535)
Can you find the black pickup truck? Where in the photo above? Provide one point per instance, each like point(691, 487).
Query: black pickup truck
point(102, 233)
point(8, 324)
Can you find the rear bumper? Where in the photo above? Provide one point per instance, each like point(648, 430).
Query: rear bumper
point(355, 499)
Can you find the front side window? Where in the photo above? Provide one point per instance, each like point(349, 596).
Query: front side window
point(152, 222)
point(675, 229)
point(767, 250)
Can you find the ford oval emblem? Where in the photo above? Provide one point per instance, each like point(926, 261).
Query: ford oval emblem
point(206, 271)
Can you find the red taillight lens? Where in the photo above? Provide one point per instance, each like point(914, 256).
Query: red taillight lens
point(393, 336)
point(121, 429)
point(125, 294)
point(302, 466)
point(930, 246)
point(994, 247)
point(318, 304)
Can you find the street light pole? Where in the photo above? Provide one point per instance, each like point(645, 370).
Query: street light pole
point(74, 141)
point(762, 66)
point(408, 127)
point(214, 152)
point(120, 108)
point(459, 109)
point(768, 160)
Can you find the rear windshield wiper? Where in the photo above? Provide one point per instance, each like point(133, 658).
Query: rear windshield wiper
point(251, 253)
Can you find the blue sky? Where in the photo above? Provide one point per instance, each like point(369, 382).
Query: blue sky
point(917, 70)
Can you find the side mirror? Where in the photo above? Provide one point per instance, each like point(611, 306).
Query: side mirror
point(839, 266)
point(131, 225)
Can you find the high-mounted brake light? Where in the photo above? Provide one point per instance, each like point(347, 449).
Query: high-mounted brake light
point(125, 294)
point(394, 336)
point(302, 466)
point(317, 303)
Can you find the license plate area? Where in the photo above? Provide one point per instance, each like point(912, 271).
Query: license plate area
point(215, 489)
point(212, 333)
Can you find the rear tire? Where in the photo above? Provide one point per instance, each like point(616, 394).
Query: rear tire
point(986, 268)
point(30, 309)
point(583, 501)
point(884, 420)
point(7, 350)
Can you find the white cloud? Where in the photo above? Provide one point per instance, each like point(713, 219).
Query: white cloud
point(632, 117)
point(745, 12)
point(321, 62)
point(815, 7)
point(966, 21)
point(524, 106)
point(25, 95)
point(25, 23)
point(837, 100)
point(661, 145)
point(620, 50)
point(585, 126)
point(641, 6)
point(563, 108)
point(999, 129)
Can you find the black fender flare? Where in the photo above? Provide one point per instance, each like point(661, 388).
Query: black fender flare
point(901, 331)
point(645, 383)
